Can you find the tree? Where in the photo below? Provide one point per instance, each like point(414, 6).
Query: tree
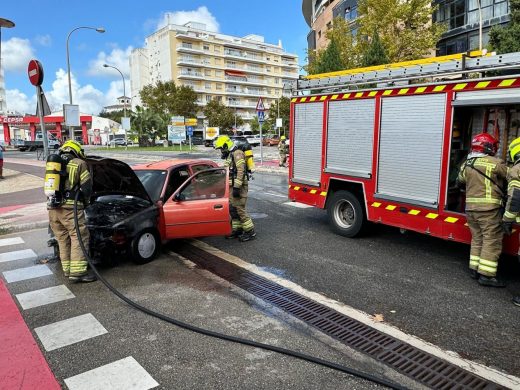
point(405, 27)
point(330, 60)
point(114, 115)
point(375, 54)
point(221, 116)
point(147, 125)
point(160, 98)
point(185, 103)
point(285, 110)
point(507, 39)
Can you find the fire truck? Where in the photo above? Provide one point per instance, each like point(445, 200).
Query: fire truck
point(384, 144)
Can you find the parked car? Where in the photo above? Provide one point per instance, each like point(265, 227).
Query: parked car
point(117, 142)
point(197, 141)
point(133, 210)
point(254, 140)
point(271, 140)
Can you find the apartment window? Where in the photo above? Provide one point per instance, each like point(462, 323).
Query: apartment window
point(219, 87)
point(218, 61)
point(216, 49)
point(219, 99)
point(268, 69)
point(319, 34)
point(187, 45)
point(276, 80)
point(453, 12)
point(205, 47)
point(208, 98)
point(207, 72)
point(208, 86)
point(218, 73)
point(351, 13)
point(329, 25)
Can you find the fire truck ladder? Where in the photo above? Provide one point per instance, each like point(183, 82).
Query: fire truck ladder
point(458, 64)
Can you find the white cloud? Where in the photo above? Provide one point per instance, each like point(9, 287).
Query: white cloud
point(19, 102)
point(16, 54)
point(43, 40)
point(117, 57)
point(200, 15)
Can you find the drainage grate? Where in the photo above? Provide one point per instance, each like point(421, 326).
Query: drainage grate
point(404, 358)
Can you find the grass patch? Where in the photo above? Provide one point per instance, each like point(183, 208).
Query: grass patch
point(173, 148)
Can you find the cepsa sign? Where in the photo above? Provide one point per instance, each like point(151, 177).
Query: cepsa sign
point(35, 72)
point(11, 119)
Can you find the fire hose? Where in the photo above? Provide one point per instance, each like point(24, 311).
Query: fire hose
point(222, 336)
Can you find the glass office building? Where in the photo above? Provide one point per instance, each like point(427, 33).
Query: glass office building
point(462, 21)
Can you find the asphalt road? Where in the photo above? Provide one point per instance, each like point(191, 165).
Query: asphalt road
point(418, 283)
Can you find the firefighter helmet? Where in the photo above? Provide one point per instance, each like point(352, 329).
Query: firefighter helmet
point(73, 147)
point(225, 145)
point(282, 138)
point(484, 143)
point(514, 149)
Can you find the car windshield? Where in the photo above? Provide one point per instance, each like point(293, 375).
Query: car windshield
point(153, 182)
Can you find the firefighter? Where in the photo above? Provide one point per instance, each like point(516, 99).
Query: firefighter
point(235, 160)
point(513, 195)
point(484, 177)
point(283, 148)
point(61, 213)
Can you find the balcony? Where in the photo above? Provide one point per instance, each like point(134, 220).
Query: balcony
point(190, 74)
point(190, 61)
point(186, 47)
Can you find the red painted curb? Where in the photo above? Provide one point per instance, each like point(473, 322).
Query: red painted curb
point(22, 365)
point(11, 208)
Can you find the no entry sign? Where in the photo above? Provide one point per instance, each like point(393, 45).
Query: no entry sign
point(35, 72)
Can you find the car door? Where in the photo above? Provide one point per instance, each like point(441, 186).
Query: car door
point(200, 207)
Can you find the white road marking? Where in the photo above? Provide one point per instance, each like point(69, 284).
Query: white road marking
point(11, 241)
point(298, 205)
point(124, 374)
point(489, 373)
point(69, 331)
point(44, 296)
point(26, 273)
point(278, 195)
point(17, 255)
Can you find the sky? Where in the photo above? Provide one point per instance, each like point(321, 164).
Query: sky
point(41, 29)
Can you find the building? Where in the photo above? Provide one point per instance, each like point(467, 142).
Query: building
point(462, 20)
point(122, 102)
point(234, 70)
point(319, 15)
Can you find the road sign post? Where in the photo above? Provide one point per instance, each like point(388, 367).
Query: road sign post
point(35, 72)
point(260, 112)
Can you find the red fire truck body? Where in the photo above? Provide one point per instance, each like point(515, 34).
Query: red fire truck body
point(391, 155)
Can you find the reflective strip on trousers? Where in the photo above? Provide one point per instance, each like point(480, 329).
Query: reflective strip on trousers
point(474, 261)
point(488, 267)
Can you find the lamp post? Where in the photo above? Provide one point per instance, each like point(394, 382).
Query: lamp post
point(99, 30)
point(124, 95)
point(5, 23)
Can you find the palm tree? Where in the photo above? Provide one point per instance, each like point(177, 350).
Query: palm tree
point(147, 126)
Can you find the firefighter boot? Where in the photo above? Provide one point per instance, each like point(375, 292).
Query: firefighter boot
point(87, 278)
point(473, 273)
point(235, 234)
point(490, 281)
point(247, 236)
point(516, 300)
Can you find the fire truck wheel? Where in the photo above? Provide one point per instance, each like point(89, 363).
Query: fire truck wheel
point(346, 215)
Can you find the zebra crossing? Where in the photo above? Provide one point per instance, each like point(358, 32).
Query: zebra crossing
point(125, 373)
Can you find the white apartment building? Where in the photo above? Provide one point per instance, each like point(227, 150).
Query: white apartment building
point(236, 71)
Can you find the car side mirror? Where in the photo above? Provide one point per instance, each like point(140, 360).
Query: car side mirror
point(178, 197)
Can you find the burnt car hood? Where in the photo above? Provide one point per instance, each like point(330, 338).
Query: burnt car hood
point(114, 177)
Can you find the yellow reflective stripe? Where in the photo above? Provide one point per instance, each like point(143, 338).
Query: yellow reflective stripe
point(346, 96)
point(420, 90)
point(507, 83)
point(334, 97)
point(489, 263)
point(483, 200)
point(439, 88)
point(459, 87)
point(323, 193)
point(391, 207)
point(313, 192)
point(403, 91)
point(432, 215)
point(414, 212)
point(313, 98)
point(474, 257)
point(293, 100)
point(509, 215)
point(387, 92)
point(372, 94)
point(296, 188)
point(359, 94)
point(485, 268)
point(514, 150)
point(483, 84)
point(513, 183)
point(376, 204)
point(451, 220)
point(323, 98)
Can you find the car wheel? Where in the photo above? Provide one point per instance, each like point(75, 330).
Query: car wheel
point(346, 216)
point(144, 246)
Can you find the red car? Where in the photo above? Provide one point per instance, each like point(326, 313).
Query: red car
point(192, 197)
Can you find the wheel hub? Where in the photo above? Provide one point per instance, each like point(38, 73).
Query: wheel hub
point(146, 245)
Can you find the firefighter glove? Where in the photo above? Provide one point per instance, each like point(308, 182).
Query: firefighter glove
point(236, 192)
point(507, 227)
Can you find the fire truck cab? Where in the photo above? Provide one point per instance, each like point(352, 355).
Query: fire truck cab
point(373, 147)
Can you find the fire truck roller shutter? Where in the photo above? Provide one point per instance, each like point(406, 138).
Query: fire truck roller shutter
point(308, 130)
point(487, 97)
point(350, 137)
point(410, 150)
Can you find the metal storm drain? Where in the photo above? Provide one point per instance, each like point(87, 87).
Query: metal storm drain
point(423, 367)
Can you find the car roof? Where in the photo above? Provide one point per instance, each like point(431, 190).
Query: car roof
point(170, 163)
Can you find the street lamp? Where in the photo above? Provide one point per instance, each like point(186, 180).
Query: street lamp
point(99, 30)
point(5, 23)
point(479, 26)
point(124, 94)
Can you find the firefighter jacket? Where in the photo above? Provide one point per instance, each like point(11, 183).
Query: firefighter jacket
point(283, 148)
point(78, 179)
point(513, 194)
point(484, 177)
point(236, 161)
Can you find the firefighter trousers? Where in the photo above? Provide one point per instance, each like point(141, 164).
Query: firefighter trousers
point(283, 159)
point(240, 219)
point(486, 240)
point(73, 261)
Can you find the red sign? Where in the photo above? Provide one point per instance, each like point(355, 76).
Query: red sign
point(35, 71)
point(11, 119)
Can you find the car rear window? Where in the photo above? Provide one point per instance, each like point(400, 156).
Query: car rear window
point(153, 182)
